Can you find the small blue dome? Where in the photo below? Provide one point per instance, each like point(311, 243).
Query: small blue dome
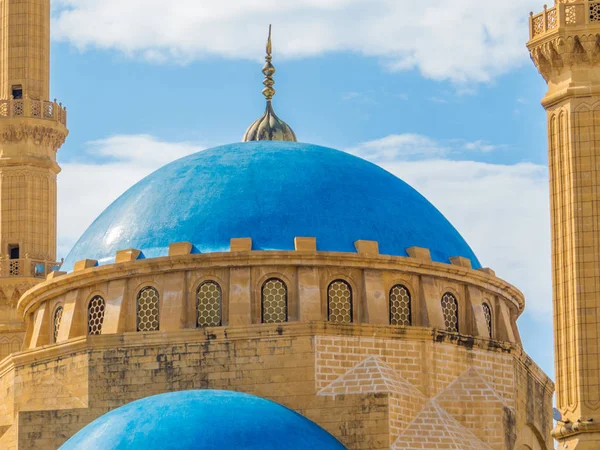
point(202, 420)
point(271, 192)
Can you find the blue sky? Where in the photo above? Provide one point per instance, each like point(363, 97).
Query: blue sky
point(442, 95)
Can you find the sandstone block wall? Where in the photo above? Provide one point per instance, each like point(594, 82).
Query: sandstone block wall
point(370, 387)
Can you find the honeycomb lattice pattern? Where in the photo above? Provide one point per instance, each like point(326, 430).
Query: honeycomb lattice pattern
point(14, 267)
point(594, 12)
point(450, 310)
point(570, 15)
point(147, 310)
point(96, 315)
point(36, 109)
point(57, 320)
point(574, 14)
point(538, 25)
point(209, 305)
point(48, 110)
point(339, 302)
point(18, 108)
point(487, 312)
point(400, 312)
point(274, 301)
point(551, 19)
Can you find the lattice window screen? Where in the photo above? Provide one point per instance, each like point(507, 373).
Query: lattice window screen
point(487, 312)
point(147, 310)
point(400, 306)
point(96, 315)
point(450, 310)
point(58, 313)
point(209, 301)
point(274, 301)
point(339, 301)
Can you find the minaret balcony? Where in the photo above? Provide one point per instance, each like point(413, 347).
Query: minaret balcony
point(26, 268)
point(36, 109)
point(565, 14)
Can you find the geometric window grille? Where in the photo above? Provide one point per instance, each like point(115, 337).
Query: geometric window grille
point(14, 268)
point(274, 301)
point(96, 315)
point(487, 312)
point(551, 19)
point(594, 12)
point(58, 313)
point(208, 300)
point(339, 302)
point(400, 313)
point(572, 16)
point(450, 311)
point(147, 310)
point(538, 25)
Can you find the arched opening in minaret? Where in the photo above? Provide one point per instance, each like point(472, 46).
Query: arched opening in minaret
point(13, 251)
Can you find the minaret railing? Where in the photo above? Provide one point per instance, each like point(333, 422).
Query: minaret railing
point(30, 108)
point(26, 267)
point(565, 13)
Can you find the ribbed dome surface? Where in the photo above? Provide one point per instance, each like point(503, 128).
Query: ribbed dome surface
point(202, 420)
point(271, 192)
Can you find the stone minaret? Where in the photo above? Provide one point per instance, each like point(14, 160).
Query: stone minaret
point(564, 45)
point(32, 128)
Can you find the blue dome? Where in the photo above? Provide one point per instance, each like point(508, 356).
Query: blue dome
point(271, 192)
point(202, 420)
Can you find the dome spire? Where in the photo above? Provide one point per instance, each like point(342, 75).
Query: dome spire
point(269, 127)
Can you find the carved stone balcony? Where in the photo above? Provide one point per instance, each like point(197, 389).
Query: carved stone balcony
point(25, 268)
point(38, 109)
point(565, 14)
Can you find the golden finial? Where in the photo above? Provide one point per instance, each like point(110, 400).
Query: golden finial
point(269, 127)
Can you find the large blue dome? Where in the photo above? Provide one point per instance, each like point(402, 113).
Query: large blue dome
point(271, 192)
point(202, 420)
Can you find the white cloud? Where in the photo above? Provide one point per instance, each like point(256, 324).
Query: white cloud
point(462, 40)
point(481, 146)
point(501, 210)
point(141, 150)
point(86, 189)
point(399, 146)
point(416, 146)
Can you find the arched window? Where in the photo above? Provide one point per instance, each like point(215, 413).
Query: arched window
point(400, 306)
point(96, 315)
point(208, 304)
point(450, 311)
point(58, 313)
point(487, 313)
point(147, 310)
point(274, 301)
point(339, 302)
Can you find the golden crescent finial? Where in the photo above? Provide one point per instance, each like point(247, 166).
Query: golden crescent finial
point(269, 127)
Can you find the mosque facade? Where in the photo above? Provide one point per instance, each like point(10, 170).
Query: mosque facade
point(269, 290)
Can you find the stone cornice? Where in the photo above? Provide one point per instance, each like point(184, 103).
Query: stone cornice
point(88, 344)
point(62, 284)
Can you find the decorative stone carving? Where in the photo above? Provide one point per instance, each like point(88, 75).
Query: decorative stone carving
point(10, 293)
point(41, 135)
point(566, 53)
